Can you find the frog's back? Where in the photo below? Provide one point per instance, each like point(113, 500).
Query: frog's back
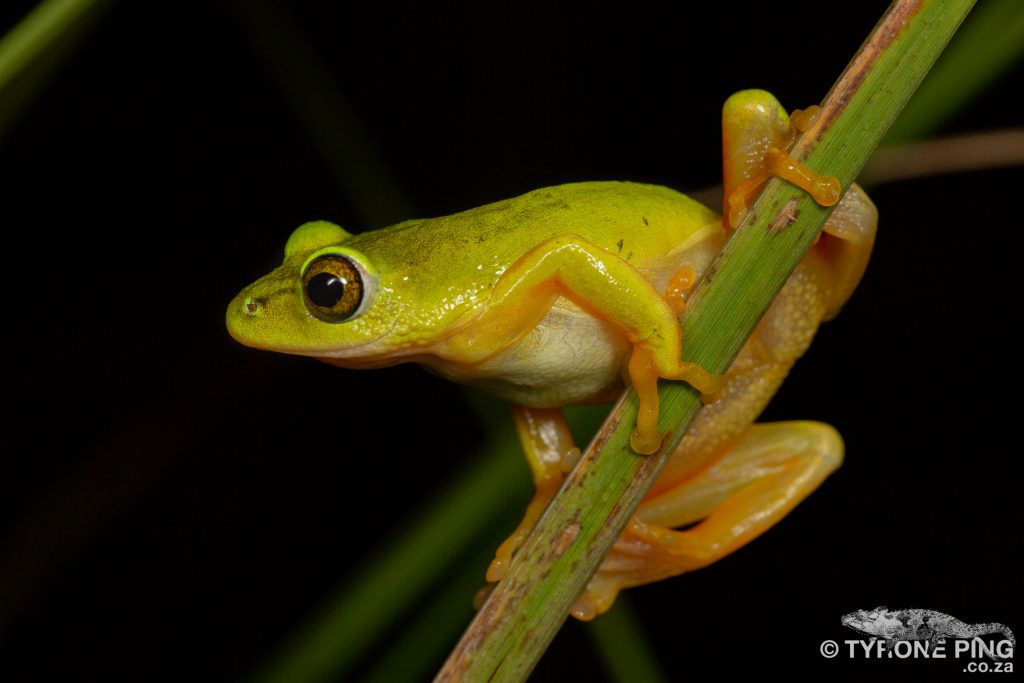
point(625, 218)
point(638, 222)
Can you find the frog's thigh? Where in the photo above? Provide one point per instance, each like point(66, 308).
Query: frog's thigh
point(770, 470)
point(550, 452)
point(608, 287)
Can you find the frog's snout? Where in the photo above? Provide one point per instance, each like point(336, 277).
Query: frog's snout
point(242, 312)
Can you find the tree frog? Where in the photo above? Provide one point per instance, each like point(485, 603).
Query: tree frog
point(563, 295)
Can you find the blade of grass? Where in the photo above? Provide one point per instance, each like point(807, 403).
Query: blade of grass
point(525, 611)
point(362, 610)
point(990, 43)
point(31, 51)
point(619, 641)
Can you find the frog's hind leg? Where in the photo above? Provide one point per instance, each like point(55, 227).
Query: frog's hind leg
point(550, 452)
point(739, 497)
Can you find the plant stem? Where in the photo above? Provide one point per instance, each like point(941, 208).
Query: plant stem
point(525, 611)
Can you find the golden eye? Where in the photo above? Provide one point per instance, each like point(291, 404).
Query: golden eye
point(332, 288)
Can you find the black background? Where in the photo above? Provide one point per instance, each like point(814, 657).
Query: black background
point(173, 505)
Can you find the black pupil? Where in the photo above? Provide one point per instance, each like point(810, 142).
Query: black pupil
point(325, 289)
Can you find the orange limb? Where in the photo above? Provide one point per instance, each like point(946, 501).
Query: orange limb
point(550, 452)
point(745, 493)
point(675, 292)
point(644, 372)
point(824, 189)
point(801, 120)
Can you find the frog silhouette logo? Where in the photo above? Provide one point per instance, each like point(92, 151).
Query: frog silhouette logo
point(922, 624)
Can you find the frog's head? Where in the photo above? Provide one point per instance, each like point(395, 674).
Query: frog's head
point(324, 300)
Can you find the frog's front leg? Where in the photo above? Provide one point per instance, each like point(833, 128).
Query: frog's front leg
point(550, 452)
point(756, 133)
point(606, 286)
point(758, 482)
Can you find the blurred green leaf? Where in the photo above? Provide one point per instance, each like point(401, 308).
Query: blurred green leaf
point(433, 629)
point(32, 51)
point(364, 608)
point(620, 643)
point(990, 42)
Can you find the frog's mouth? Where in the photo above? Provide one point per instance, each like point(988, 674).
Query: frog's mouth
point(264, 321)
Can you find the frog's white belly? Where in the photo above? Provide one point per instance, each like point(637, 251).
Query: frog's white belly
point(569, 357)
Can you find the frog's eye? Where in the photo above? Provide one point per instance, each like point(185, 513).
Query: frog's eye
point(333, 288)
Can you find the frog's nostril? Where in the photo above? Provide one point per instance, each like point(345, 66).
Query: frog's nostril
point(252, 306)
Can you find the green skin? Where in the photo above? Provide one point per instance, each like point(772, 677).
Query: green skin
point(429, 283)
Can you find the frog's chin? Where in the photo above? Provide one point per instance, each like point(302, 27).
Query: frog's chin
point(372, 355)
point(369, 354)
